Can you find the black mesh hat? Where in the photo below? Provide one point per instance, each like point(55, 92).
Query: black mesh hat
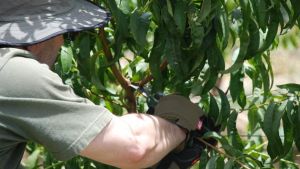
point(25, 22)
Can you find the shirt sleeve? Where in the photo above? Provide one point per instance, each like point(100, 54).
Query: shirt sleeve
point(36, 105)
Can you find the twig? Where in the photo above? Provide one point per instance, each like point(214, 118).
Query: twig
point(220, 152)
point(53, 165)
point(150, 77)
point(146, 6)
point(260, 105)
point(105, 98)
point(289, 162)
point(131, 101)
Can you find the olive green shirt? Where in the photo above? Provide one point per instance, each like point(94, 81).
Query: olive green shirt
point(36, 105)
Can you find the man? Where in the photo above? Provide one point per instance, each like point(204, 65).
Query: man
point(36, 105)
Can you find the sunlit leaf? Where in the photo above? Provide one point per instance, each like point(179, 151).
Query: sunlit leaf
point(66, 58)
point(139, 25)
point(32, 159)
point(291, 87)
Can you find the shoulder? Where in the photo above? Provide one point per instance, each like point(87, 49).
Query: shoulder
point(7, 53)
point(26, 77)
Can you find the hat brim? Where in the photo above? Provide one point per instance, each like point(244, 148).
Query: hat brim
point(84, 15)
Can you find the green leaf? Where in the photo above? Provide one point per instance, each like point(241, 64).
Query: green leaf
point(32, 160)
point(223, 30)
point(204, 160)
point(291, 87)
point(290, 111)
point(155, 59)
point(288, 129)
point(236, 87)
point(95, 73)
point(220, 163)
point(271, 34)
point(271, 128)
point(254, 40)
point(297, 128)
point(245, 8)
point(212, 163)
point(168, 23)
point(225, 108)
point(121, 19)
point(254, 119)
point(84, 46)
point(197, 29)
point(233, 135)
point(260, 11)
point(295, 4)
point(287, 12)
point(264, 76)
point(121, 29)
point(180, 15)
point(173, 54)
point(244, 43)
point(215, 59)
point(73, 164)
point(205, 10)
point(214, 55)
point(213, 108)
point(169, 7)
point(225, 145)
point(66, 59)
point(210, 81)
point(245, 40)
point(233, 68)
point(199, 63)
point(155, 9)
point(139, 25)
point(267, 59)
point(229, 164)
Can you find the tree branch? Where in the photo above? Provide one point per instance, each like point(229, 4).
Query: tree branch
point(125, 83)
point(226, 155)
point(150, 77)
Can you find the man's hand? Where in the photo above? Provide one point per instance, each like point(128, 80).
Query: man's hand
point(179, 110)
point(190, 117)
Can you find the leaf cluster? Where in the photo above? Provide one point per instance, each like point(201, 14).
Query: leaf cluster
point(183, 46)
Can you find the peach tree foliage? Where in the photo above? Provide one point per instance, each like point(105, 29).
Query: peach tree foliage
point(180, 46)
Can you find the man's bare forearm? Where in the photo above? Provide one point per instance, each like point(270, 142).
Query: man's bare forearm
point(157, 135)
point(134, 141)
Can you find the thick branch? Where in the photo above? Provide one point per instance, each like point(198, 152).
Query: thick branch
point(120, 78)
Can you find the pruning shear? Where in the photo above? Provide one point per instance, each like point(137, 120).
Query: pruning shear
point(152, 99)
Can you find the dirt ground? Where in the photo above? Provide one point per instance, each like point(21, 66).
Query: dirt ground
point(286, 66)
